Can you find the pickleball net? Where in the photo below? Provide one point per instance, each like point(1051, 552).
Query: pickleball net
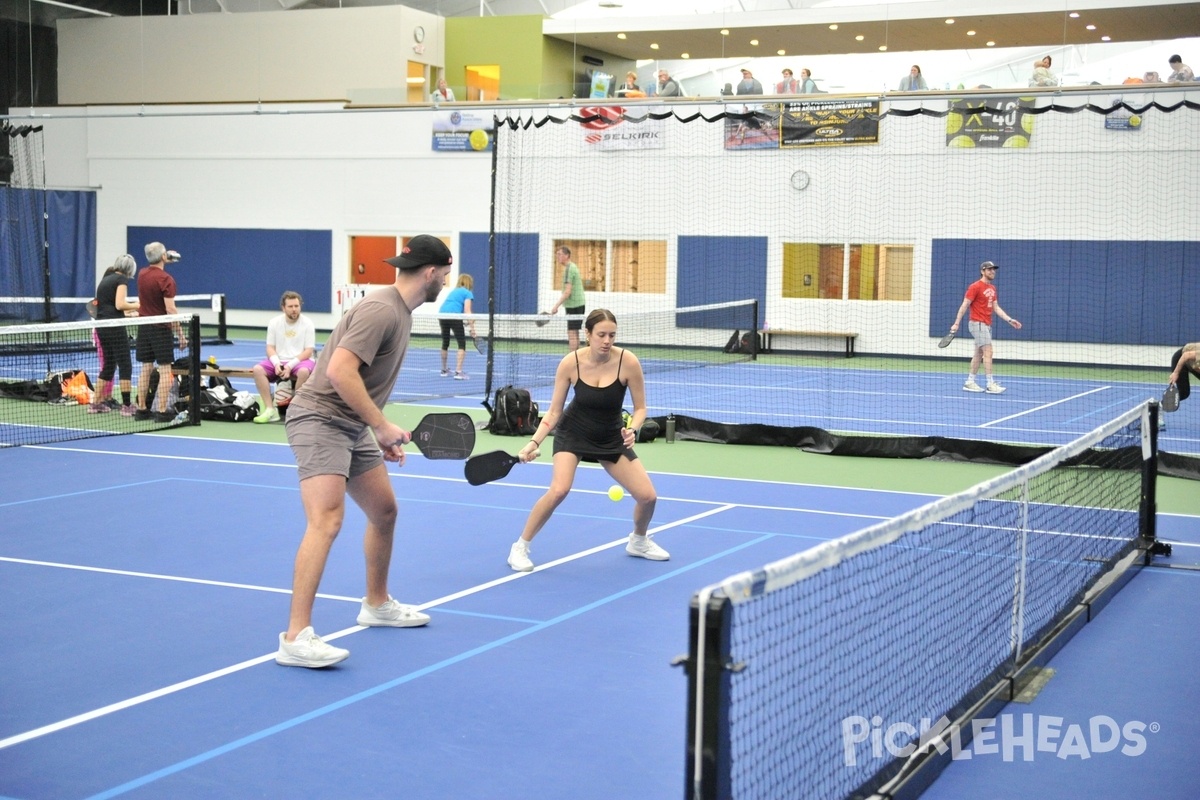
point(525, 349)
point(50, 389)
point(845, 670)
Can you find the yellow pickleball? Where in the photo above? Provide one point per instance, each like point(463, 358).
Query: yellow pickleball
point(478, 139)
point(615, 493)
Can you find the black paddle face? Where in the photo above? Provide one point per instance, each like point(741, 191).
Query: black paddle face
point(1170, 399)
point(489, 467)
point(947, 339)
point(449, 436)
point(544, 318)
point(480, 346)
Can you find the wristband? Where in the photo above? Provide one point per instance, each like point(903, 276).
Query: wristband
point(275, 361)
point(293, 363)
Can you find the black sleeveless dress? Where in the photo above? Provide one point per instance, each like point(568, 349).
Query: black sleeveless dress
point(591, 425)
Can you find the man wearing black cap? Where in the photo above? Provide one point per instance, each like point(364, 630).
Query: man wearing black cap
point(981, 299)
point(341, 439)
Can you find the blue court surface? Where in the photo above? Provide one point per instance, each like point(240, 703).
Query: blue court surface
point(143, 591)
point(908, 400)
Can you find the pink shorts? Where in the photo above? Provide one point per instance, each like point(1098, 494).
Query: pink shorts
point(269, 368)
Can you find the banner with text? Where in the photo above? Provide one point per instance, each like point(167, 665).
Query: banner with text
point(463, 132)
point(817, 123)
point(990, 122)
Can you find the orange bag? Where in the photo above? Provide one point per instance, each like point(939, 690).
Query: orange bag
point(76, 387)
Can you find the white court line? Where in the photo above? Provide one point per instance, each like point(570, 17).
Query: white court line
point(220, 673)
point(1045, 406)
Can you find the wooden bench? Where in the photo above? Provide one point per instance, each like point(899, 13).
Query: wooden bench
point(849, 337)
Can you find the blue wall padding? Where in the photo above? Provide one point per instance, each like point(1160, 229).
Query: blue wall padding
point(719, 269)
point(516, 269)
point(251, 267)
point(1097, 292)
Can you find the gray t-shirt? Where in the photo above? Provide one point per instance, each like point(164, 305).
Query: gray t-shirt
point(376, 330)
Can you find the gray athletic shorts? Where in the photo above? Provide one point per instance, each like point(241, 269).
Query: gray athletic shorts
point(981, 332)
point(327, 445)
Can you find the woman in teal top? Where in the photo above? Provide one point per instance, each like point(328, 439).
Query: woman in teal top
point(457, 302)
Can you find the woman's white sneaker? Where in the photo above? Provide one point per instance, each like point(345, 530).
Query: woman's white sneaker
point(308, 651)
point(644, 547)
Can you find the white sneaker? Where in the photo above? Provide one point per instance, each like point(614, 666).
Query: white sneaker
point(390, 614)
point(445, 373)
point(994, 388)
point(308, 651)
point(518, 556)
point(644, 547)
point(972, 386)
point(460, 376)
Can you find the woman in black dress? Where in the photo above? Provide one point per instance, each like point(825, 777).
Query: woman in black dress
point(591, 429)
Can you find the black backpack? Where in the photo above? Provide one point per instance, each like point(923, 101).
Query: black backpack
point(514, 413)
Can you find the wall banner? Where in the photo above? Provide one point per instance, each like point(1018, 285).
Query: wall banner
point(990, 122)
point(817, 123)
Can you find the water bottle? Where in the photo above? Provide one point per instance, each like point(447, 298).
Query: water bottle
point(670, 429)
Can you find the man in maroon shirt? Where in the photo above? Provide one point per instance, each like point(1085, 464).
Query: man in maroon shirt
point(155, 345)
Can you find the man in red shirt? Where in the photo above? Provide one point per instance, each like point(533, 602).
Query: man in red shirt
point(981, 299)
point(155, 345)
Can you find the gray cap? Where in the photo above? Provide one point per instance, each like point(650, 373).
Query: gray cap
point(988, 265)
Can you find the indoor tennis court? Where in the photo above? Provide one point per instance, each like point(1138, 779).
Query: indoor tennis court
point(145, 589)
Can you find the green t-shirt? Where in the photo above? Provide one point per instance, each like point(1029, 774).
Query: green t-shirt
point(572, 277)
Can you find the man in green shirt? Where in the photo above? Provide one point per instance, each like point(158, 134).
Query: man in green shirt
point(572, 299)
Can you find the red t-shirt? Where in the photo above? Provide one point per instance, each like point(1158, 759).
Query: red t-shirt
point(982, 296)
point(154, 284)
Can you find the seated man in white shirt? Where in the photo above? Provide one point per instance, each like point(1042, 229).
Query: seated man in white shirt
point(291, 340)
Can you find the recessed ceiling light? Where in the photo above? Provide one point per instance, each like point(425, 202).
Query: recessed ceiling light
point(620, 36)
point(991, 44)
point(685, 55)
point(882, 48)
point(949, 22)
point(970, 33)
point(754, 42)
point(833, 27)
point(1091, 27)
point(724, 31)
point(781, 52)
point(858, 38)
point(654, 45)
point(1074, 15)
point(1106, 38)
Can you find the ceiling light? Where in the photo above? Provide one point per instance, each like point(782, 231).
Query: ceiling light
point(1106, 38)
point(991, 44)
point(654, 45)
point(724, 31)
point(685, 55)
point(970, 33)
point(1074, 15)
point(414, 80)
point(1091, 27)
point(754, 42)
point(833, 27)
point(949, 22)
point(858, 38)
point(620, 36)
point(882, 48)
point(781, 52)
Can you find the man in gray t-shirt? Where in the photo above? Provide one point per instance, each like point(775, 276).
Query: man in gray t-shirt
point(341, 439)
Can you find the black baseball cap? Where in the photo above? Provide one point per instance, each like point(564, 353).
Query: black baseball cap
point(422, 251)
point(988, 265)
